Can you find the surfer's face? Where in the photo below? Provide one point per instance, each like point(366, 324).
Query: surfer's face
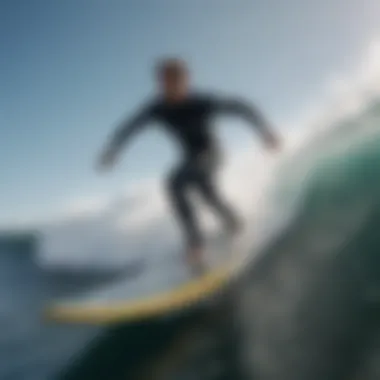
point(173, 82)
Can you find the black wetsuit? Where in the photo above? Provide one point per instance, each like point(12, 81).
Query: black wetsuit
point(189, 123)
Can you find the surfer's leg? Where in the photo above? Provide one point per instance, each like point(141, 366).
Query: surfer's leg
point(178, 186)
point(214, 199)
point(206, 184)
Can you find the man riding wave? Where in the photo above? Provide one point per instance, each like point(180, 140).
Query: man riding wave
point(186, 116)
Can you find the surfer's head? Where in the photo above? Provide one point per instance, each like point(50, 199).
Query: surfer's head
point(173, 78)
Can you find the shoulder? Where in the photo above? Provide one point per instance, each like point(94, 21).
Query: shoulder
point(202, 96)
point(152, 106)
point(206, 100)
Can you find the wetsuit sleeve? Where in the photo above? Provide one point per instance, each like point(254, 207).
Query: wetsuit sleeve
point(130, 127)
point(247, 111)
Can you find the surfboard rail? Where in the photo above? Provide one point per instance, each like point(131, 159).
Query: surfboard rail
point(131, 310)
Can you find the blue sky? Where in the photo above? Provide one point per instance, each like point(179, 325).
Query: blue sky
point(71, 69)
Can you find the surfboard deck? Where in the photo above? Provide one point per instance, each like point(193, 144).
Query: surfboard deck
point(172, 290)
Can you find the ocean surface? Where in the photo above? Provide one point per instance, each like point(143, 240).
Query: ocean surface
point(325, 206)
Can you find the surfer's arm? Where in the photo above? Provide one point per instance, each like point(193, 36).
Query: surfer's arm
point(251, 114)
point(124, 133)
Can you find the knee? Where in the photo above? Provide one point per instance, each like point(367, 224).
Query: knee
point(175, 184)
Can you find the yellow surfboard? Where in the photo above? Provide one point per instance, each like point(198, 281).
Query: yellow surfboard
point(102, 309)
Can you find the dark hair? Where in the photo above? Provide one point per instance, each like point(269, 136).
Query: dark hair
point(175, 66)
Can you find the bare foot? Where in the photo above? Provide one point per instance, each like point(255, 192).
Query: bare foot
point(195, 259)
point(234, 229)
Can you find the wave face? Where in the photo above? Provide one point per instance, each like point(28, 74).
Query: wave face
point(333, 182)
point(320, 285)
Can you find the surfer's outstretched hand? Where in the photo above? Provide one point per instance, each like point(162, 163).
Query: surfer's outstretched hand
point(274, 143)
point(106, 161)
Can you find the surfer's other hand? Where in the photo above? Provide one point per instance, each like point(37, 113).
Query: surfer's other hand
point(273, 143)
point(106, 161)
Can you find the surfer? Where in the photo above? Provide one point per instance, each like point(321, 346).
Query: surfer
point(185, 115)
